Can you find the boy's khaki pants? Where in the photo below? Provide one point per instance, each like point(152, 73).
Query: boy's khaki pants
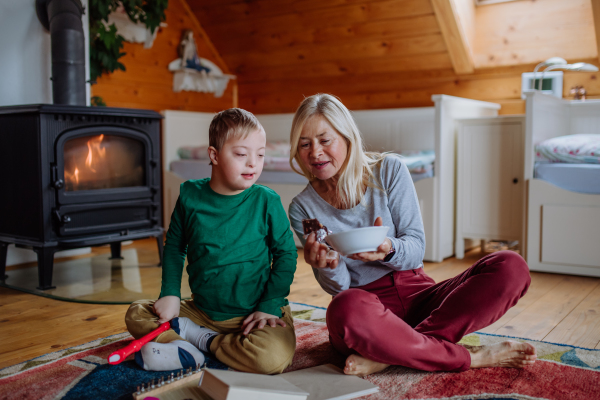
point(265, 351)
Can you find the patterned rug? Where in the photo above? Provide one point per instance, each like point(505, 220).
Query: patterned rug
point(563, 372)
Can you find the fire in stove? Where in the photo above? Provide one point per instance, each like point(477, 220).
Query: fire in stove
point(76, 176)
point(103, 162)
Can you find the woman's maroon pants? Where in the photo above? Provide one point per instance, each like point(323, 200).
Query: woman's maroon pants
point(405, 318)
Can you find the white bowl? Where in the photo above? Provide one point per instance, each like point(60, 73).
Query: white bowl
point(358, 240)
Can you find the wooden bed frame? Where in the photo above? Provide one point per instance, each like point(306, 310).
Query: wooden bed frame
point(563, 227)
point(424, 128)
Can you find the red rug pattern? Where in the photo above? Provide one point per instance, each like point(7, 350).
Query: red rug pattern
point(563, 372)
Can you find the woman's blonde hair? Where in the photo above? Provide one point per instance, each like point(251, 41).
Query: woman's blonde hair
point(356, 172)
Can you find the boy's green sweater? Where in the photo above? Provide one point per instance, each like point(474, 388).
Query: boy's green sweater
point(240, 249)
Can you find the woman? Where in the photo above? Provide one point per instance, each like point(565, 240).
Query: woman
point(386, 310)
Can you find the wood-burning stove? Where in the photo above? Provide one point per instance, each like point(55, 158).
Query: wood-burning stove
point(76, 176)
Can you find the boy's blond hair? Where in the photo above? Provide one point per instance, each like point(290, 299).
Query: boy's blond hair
point(231, 123)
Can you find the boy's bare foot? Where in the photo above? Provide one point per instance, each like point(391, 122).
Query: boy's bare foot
point(509, 354)
point(360, 366)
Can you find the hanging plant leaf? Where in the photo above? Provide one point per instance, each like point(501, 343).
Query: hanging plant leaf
point(97, 101)
point(105, 43)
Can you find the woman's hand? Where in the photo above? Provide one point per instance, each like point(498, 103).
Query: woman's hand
point(167, 308)
point(315, 254)
point(261, 319)
point(378, 254)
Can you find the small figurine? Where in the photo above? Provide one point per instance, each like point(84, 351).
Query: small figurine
point(191, 72)
point(578, 92)
point(188, 52)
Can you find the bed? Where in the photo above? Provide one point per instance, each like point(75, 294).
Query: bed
point(407, 130)
point(563, 207)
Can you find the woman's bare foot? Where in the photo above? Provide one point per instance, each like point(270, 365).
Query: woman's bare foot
point(509, 354)
point(360, 366)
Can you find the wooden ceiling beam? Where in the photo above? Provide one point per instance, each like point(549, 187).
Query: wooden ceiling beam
point(596, 12)
point(454, 32)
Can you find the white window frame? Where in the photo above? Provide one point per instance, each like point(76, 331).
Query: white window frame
point(557, 82)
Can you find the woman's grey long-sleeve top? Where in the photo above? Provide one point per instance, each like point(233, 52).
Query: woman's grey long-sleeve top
point(397, 205)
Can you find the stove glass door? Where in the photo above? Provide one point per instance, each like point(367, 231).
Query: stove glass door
point(103, 161)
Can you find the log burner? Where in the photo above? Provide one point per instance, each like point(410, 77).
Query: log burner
point(74, 176)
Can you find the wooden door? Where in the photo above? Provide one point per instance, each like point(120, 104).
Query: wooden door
point(491, 183)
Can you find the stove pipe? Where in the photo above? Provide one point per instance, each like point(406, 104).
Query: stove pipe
point(63, 19)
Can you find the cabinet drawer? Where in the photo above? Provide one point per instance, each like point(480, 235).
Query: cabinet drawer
point(570, 235)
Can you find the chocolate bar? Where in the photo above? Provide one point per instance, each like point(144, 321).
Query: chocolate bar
point(311, 225)
point(321, 232)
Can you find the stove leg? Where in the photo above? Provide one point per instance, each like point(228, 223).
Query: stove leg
point(45, 256)
point(3, 254)
point(160, 243)
point(115, 251)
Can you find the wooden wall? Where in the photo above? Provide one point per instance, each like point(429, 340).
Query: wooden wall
point(390, 53)
point(370, 53)
point(530, 31)
point(147, 83)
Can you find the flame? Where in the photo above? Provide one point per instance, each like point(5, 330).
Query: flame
point(94, 146)
point(102, 161)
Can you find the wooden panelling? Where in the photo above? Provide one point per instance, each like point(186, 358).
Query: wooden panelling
point(466, 19)
point(511, 107)
point(371, 53)
point(596, 14)
point(266, 39)
point(290, 17)
point(242, 11)
point(392, 53)
point(350, 69)
point(530, 31)
point(161, 97)
point(349, 29)
point(356, 50)
point(147, 83)
point(455, 35)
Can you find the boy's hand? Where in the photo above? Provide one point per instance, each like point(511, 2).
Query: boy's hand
point(318, 255)
point(261, 319)
point(167, 308)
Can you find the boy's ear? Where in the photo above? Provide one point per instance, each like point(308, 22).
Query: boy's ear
point(213, 155)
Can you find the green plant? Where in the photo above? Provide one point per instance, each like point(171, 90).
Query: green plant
point(105, 43)
point(97, 101)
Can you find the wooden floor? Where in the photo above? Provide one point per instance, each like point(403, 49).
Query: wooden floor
point(557, 308)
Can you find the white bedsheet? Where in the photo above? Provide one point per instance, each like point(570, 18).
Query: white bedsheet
point(581, 178)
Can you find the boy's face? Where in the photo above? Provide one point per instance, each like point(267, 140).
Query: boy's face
point(238, 164)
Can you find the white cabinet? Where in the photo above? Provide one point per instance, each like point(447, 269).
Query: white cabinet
point(490, 195)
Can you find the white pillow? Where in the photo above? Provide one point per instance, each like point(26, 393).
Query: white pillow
point(575, 149)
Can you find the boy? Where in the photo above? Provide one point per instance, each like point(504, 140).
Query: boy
point(241, 263)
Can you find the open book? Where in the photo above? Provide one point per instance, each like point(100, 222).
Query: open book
point(324, 382)
point(328, 382)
